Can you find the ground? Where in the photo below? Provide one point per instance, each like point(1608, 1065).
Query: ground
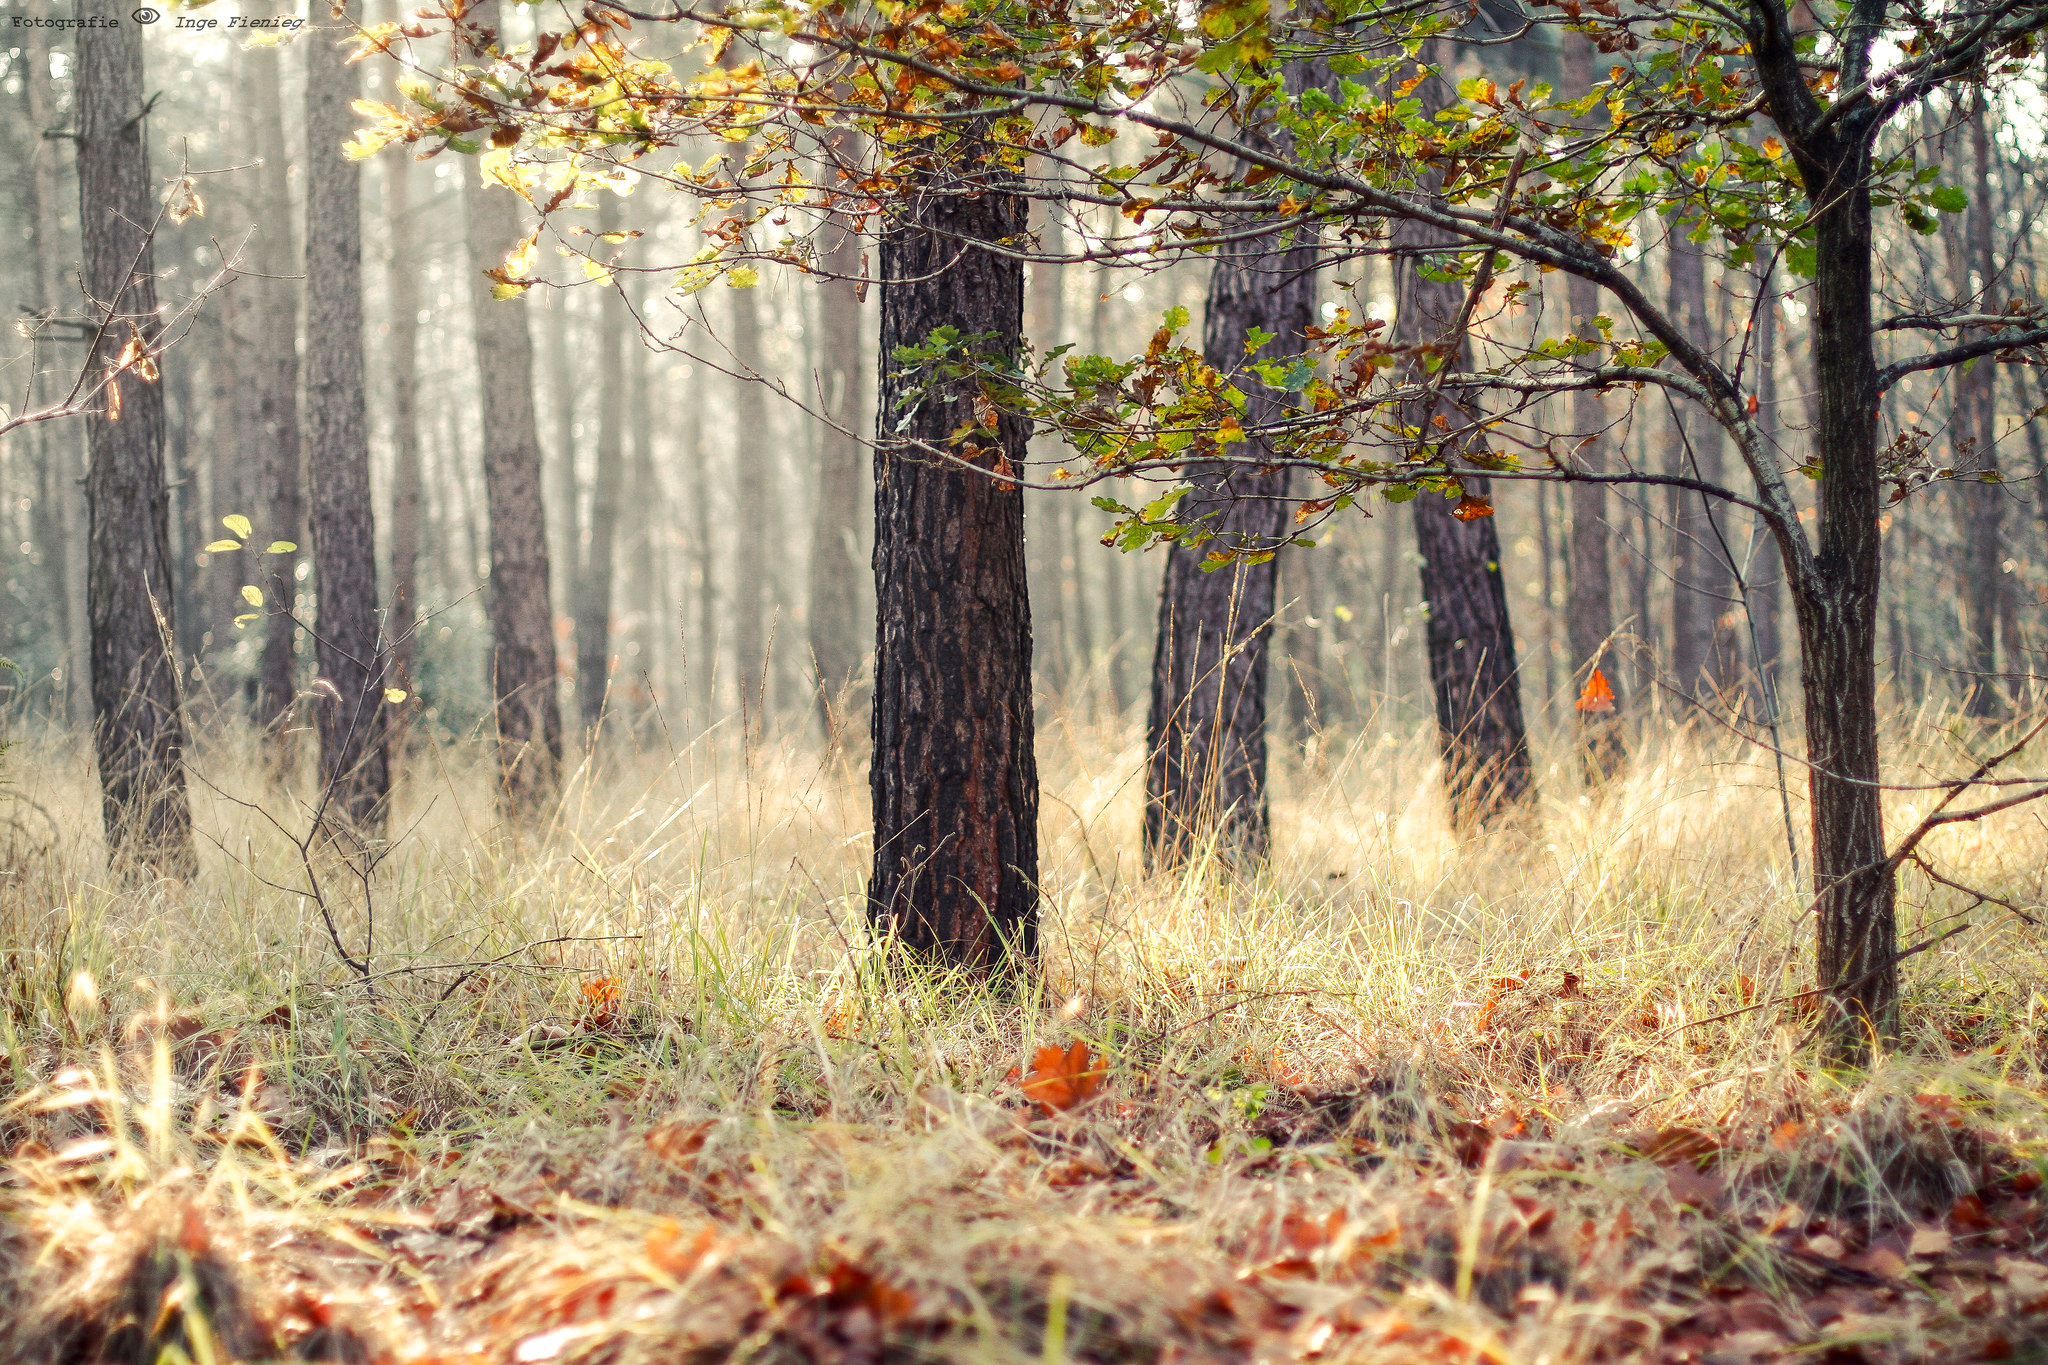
point(636, 1085)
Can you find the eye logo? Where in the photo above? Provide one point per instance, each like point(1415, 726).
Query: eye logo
point(146, 15)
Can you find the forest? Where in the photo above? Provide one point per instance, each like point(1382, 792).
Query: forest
point(1024, 680)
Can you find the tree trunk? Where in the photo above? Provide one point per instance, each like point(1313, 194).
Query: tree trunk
point(401, 289)
point(139, 729)
point(563, 497)
point(594, 586)
point(953, 776)
point(752, 450)
point(1980, 506)
point(1702, 586)
point(1473, 674)
point(522, 656)
point(355, 773)
point(835, 533)
point(274, 316)
point(1767, 565)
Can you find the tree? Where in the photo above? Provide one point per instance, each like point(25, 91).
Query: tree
point(953, 777)
point(348, 705)
point(594, 585)
point(835, 531)
point(139, 727)
point(1702, 588)
point(522, 657)
point(401, 292)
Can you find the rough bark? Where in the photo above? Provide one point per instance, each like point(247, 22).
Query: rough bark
point(1473, 674)
point(522, 657)
point(835, 531)
point(1205, 771)
point(1702, 660)
point(954, 779)
point(594, 585)
point(348, 701)
point(274, 309)
point(139, 728)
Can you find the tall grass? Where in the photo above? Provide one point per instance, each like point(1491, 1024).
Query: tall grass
point(665, 1006)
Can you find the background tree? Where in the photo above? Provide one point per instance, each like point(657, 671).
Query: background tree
point(138, 723)
point(522, 659)
point(349, 706)
point(594, 585)
point(835, 537)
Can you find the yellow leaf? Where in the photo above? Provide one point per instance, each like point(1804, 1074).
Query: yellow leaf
point(280, 547)
point(743, 277)
point(237, 523)
point(252, 594)
point(394, 695)
point(221, 547)
point(246, 617)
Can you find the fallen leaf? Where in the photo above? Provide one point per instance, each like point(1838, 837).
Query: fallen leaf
point(1597, 697)
point(1060, 1081)
point(1929, 1242)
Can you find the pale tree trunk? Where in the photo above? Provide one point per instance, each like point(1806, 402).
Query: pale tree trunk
point(1980, 505)
point(274, 317)
point(953, 779)
point(139, 728)
point(752, 449)
point(1766, 574)
point(1044, 311)
point(564, 500)
point(702, 658)
point(1474, 678)
point(230, 471)
point(401, 289)
point(349, 702)
point(1703, 588)
point(522, 657)
point(594, 585)
point(835, 529)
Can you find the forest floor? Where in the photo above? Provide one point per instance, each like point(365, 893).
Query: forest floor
point(636, 1088)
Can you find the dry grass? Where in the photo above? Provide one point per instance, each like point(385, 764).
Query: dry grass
point(1403, 1097)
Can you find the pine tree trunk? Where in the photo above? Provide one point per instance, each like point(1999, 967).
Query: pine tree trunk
point(522, 656)
point(1980, 506)
point(594, 585)
point(953, 776)
point(402, 357)
point(355, 772)
point(752, 453)
point(1589, 617)
point(1470, 637)
point(275, 318)
point(835, 533)
point(1702, 586)
point(139, 728)
point(1767, 565)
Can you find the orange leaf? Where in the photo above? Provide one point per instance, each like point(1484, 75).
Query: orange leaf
point(601, 1002)
point(1060, 1081)
point(1597, 698)
point(1470, 508)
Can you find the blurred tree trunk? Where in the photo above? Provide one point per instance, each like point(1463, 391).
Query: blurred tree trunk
point(1045, 315)
point(835, 529)
point(752, 454)
point(702, 661)
point(139, 729)
point(650, 584)
point(1980, 506)
point(594, 585)
point(1471, 642)
point(229, 473)
point(953, 776)
point(1589, 617)
point(522, 655)
point(355, 772)
point(1205, 772)
point(401, 290)
point(56, 443)
point(274, 316)
point(1703, 657)
point(558, 459)
point(1766, 564)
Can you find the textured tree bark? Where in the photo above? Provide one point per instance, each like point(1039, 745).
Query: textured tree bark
point(139, 729)
point(522, 657)
point(1980, 506)
point(752, 452)
point(1703, 658)
point(594, 585)
point(274, 300)
point(402, 356)
point(1470, 637)
point(1205, 772)
point(953, 776)
point(355, 772)
point(835, 530)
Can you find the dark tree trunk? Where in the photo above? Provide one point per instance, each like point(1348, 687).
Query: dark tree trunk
point(139, 730)
point(594, 585)
point(954, 778)
point(522, 656)
point(835, 533)
point(1205, 771)
point(355, 773)
point(1473, 674)
point(274, 300)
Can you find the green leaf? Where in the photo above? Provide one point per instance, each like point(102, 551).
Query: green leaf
point(280, 547)
point(252, 594)
point(237, 523)
point(1949, 198)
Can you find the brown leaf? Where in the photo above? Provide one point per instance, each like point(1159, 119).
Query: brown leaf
point(1060, 1081)
point(678, 1144)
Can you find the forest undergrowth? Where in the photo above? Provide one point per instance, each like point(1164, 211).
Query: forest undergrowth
point(639, 1086)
